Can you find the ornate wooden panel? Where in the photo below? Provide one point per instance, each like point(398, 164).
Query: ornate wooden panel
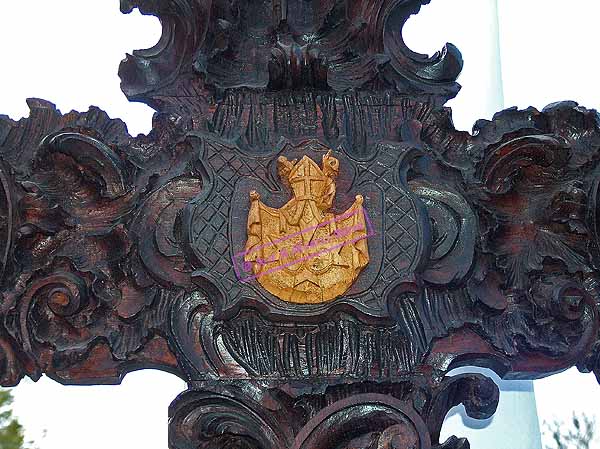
point(303, 236)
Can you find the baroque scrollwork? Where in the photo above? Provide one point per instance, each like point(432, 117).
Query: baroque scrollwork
point(408, 413)
point(120, 253)
point(76, 295)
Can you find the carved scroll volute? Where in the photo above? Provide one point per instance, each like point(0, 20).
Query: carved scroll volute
point(203, 52)
point(11, 369)
point(119, 253)
point(407, 414)
point(77, 305)
point(370, 420)
point(8, 217)
point(438, 72)
point(228, 418)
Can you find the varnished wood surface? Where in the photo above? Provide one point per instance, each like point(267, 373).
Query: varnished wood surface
point(117, 252)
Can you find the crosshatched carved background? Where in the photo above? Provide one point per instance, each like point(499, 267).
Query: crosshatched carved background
point(117, 251)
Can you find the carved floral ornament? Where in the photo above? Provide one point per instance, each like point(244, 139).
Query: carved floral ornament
point(303, 236)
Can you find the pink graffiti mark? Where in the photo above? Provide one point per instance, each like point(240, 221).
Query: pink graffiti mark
point(342, 232)
point(299, 248)
point(345, 215)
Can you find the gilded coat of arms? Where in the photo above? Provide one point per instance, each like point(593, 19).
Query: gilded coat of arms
point(302, 253)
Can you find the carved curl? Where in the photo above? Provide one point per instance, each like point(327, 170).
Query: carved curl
point(225, 419)
point(72, 306)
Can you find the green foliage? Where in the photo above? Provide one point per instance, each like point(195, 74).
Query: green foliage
point(578, 435)
point(11, 432)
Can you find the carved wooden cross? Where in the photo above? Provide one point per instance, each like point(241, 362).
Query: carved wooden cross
point(119, 253)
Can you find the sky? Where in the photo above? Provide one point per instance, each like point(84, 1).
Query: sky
point(520, 52)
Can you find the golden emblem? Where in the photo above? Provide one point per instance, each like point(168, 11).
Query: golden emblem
point(301, 253)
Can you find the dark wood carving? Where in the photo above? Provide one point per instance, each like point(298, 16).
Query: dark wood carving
point(119, 252)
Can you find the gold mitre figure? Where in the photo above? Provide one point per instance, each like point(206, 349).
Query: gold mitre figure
point(302, 253)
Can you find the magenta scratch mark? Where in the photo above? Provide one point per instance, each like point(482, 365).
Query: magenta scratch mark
point(302, 231)
point(247, 266)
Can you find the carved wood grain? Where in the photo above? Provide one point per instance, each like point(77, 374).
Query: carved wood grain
point(115, 251)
